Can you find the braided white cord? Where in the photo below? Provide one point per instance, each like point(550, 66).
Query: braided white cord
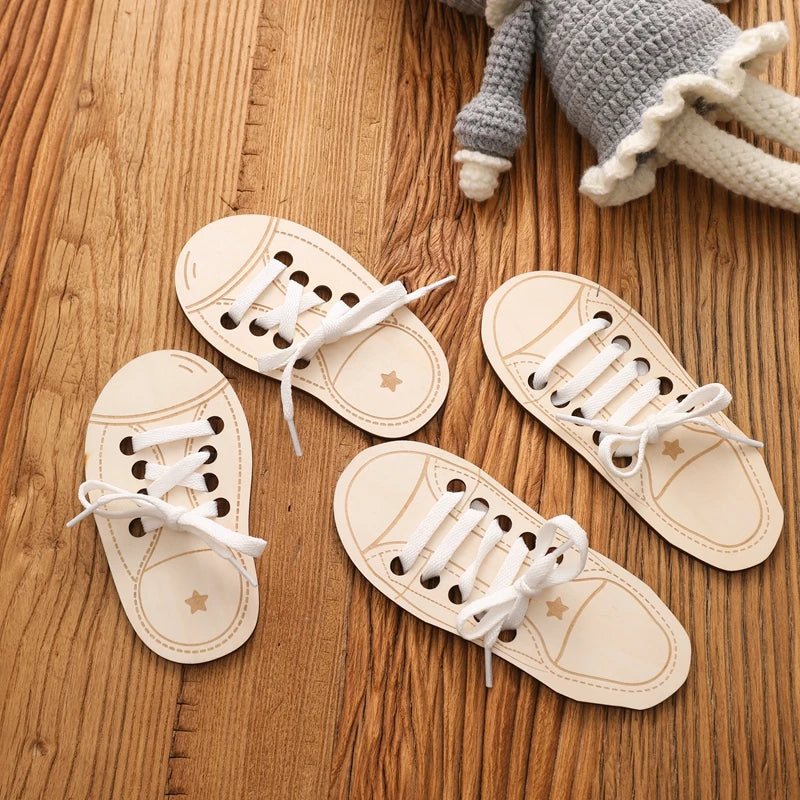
point(732, 162)
point(768, 111)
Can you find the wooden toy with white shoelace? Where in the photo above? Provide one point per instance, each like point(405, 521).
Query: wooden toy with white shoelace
point(449, 544)
point(584, 363)
point(285, 301)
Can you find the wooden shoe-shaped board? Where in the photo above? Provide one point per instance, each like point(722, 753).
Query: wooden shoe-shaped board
point(709, 496)
point(389, 380)
point(604, 637)
point(185, 602)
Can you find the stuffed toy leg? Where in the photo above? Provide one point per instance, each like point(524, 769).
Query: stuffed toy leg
point(643, 80)
point(491, 128)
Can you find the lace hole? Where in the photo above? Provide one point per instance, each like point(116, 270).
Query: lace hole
point(596, 437)
point(529, 539)
point(507, 636)
point(216, 424)
point(285, 257)
point(138, 470)
point(126, 446)
point(227, 322)
point(212, 453)
point(280, 342)
point(604, 315)
point(578, 413)
point(430, 583)
point(212, 481)
point(552, 550)
point(532, 383)
point(301, 363)
point(223, 507)
point(142, 491)
point(503, 522)
point(299, 277)
point(136, 528)
point(642, 365)
point(622, 341)
point(558, 405)
point(454, 596)
point(479, 504)
point(456, 485)
point(396, 566)
point(323, 292)
point(350, 299)
point(681, 397)
point(256, 329)
point(666, 385)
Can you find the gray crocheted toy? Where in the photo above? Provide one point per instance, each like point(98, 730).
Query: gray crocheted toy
point(644, 81)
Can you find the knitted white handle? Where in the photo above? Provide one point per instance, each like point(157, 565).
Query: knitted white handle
point(768, 111)
point(732, 162)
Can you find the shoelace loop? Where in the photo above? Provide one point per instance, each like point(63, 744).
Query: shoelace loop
point(617, 436)
point(505, 603)
point(694, 408)
point(158, 512)
point(340, 321)
point(155, 512)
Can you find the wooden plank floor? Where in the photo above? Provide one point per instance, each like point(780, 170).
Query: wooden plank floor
point(127, 124)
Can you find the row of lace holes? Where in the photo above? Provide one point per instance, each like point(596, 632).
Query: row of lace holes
point(666, 385)
point(323, 292)
point(454, 593)
point(135, 526)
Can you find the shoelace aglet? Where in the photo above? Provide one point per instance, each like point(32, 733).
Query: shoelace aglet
point(416, 295)
point(295, 438)
point(79, 518)
point(487, 666)
point(75, 520)
point(242, 571)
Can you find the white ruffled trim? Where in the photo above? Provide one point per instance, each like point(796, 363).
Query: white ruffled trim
point(622, 178)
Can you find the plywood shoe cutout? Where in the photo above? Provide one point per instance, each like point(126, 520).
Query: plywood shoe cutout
point(452, 546)
point(168, 467)
point(590, 368)
point(283, 300)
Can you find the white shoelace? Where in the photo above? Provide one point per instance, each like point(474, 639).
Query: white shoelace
point(505, 603)
point(155, 512)
point(341, 320)
point(617, 436)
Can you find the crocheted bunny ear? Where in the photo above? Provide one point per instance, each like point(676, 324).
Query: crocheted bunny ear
point(643, 79)
point(491, 127)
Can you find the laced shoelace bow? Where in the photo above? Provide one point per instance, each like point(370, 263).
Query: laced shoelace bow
point(505, 603)
point(341, 320)
point(154, 512)
point(617, 436)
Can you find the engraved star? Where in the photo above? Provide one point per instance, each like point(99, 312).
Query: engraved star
point(555, 608)
point(390, 380)
point(673, 449)
point(197, 602)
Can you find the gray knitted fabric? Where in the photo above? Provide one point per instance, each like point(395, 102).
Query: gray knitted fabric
point(608, 60)
point(494, 121)
point(627, 73)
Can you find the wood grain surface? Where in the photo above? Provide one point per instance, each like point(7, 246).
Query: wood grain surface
point(125, 125)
